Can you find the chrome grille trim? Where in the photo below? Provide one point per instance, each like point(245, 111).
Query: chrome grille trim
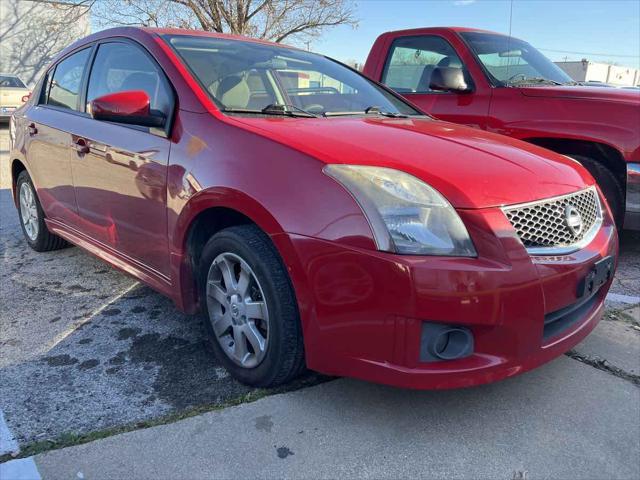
point(542, 226)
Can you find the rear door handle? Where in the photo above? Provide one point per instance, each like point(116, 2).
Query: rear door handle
point(81, 146)
point(32, 129)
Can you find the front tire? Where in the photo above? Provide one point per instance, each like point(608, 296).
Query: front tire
point(249, 307)
point(32, 217)
point(609, 185)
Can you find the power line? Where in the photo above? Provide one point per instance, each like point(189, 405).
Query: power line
point(589, 53)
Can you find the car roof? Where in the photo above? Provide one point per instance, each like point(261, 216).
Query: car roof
point(423, 30)
point(135, 32)
point(148, 33)
point(203, 33)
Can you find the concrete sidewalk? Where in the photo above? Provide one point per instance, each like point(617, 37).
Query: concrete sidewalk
point(564, 420)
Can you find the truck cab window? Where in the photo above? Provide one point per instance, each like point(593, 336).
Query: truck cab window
point(412, 60)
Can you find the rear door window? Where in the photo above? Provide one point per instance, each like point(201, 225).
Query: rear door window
point(64, 89)
point(411, 62)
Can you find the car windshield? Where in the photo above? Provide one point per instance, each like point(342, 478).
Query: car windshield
point(11, 81)
point(514, 62)
point(249, 77)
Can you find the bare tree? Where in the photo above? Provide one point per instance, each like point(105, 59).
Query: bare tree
point(275, 20)
point(32, 32)
point(146, 13)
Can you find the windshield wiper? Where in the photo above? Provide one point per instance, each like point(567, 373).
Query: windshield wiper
point(283, 110)
point(534, 80)
point(373, 110)
point(288, 109)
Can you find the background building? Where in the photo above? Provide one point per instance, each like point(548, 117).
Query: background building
point(586, 71)
point(33, 31)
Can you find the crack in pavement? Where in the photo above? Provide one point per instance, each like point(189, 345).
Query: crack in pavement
point(603, 365)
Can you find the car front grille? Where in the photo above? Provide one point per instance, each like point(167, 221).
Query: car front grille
point(557, 225)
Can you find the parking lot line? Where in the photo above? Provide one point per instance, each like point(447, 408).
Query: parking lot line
point(60, 337)
point(8, 442)
point(21, 469)
point(617, 297)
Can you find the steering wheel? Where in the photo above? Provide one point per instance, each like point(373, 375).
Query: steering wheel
point(513, 77)
point(314, 108)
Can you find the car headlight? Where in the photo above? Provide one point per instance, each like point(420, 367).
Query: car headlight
point(406, 215)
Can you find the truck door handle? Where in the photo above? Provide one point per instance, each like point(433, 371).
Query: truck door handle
point(32, 129)
point(81, 146)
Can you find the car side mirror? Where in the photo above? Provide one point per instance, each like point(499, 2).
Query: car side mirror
point(449, 79)
point(25, 98)
point(131, 107)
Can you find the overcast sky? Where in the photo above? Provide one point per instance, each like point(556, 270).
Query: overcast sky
point(580, 28)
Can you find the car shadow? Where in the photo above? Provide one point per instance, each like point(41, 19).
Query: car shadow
point(86, 348)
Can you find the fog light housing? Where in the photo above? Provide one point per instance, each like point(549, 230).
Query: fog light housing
point(440, 342)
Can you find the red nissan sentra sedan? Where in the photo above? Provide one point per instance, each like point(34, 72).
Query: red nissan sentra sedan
point(313, 216)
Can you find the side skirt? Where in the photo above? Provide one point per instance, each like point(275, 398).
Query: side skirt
point(154, 279)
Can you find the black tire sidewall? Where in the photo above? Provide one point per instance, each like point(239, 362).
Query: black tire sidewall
point(607, 182)
point(255, 248)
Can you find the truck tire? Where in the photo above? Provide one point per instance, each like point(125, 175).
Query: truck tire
point(609, 185)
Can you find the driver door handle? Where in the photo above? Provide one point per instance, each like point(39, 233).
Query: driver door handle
point(81, 146)
point(32, 129)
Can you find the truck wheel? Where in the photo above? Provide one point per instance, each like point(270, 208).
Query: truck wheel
point(32, 217)
point(609, 185)
point(249, 307)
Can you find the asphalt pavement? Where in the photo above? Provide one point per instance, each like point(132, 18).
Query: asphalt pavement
point(565, 420)
point(87, 352)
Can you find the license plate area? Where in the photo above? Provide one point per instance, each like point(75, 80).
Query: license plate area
point(600, 273)
point(555, 323)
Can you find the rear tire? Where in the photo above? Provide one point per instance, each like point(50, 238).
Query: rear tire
point(609, 185)
point(32, 217)
point(249, 253)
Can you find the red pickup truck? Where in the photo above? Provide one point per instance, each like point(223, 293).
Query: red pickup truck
point(501, 84)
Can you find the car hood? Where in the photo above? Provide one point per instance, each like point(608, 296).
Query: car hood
point(585, 93)
point(471, 168)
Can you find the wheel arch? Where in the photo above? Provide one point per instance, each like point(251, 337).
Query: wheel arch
point(609, 156)
point(205, 214)
point(223, 206)
point(17, 167)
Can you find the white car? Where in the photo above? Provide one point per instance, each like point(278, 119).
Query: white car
point(13, 93)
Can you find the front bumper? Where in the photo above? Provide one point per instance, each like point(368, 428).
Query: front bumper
point(363, 310)
point(632, 211)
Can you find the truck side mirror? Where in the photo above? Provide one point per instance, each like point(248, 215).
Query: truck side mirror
point(449, 79)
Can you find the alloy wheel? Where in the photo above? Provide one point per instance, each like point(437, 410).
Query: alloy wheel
point(29, 211)
point(237, 310)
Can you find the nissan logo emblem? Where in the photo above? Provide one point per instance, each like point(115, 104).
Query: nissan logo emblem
point(573, 219)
